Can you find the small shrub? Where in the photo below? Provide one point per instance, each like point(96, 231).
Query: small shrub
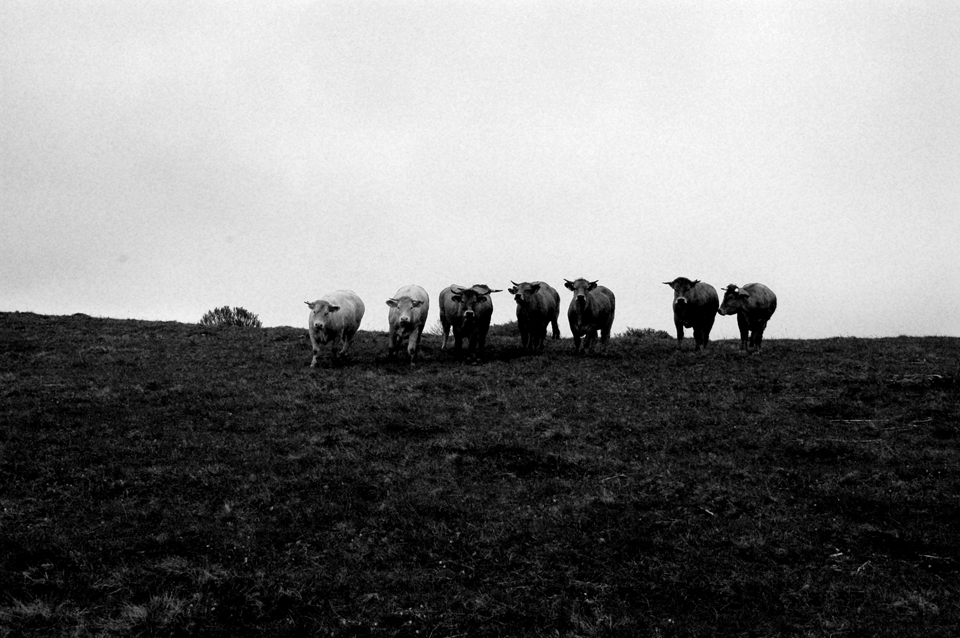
point(637, 334)
point(436, 329)
point(227, 316)
point(509, 329)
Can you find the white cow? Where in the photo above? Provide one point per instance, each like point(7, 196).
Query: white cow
point(408, 317)
point(335, 315)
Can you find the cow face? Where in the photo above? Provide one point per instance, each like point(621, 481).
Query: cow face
point(320, 315)
point(681, 288)
point(733, 300)
point(580, 288)
point(523, 292)
point(405, 308)
point(468, 300)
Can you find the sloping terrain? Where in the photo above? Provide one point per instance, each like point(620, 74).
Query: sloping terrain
point(173, 479)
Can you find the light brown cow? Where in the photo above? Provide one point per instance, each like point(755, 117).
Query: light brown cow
point(336, 315)
point(407, 318)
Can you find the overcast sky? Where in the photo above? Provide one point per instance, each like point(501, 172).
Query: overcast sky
point(159, 159)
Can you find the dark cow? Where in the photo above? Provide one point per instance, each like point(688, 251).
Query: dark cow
point(695, 305)
point(538, 304)
point(753, 304)
point(591, 309)
point(468, 312)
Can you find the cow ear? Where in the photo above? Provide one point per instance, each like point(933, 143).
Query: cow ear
point(568, 284)
point(483, 298)
point(458, 297)
point(333, 308)
point(417, 303)
point(695, 282)
point(743, 294)
point(392, 303)
point(669, 283)
point(535, 288)
point(309, 304)
point(513, 290)
point(593, 284)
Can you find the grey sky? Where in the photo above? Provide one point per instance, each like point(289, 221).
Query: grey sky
point(160, 159)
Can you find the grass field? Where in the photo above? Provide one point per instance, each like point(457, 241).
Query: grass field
point(162, 479)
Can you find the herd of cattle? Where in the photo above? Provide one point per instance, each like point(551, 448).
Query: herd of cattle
point(467, 311)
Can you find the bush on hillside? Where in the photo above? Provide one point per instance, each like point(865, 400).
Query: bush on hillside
point(509, 329)
point(227, 316)
point(637, 334)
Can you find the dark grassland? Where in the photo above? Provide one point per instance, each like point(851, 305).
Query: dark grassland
point(173, 479)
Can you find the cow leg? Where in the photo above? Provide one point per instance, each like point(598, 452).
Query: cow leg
point(576, 342)
point(708, 326)
point(346, 338)
point(446, 332)
point(414, 347)
point(758, 335)
point(744, 330)
point(556, 329)
point(394, 344)
point(697, 339)
point(457, 343)
point(588, 340)
point(679, 334)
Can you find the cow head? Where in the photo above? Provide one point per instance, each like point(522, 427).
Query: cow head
point(733, 298)
point(681, 286)
point(522, 292)
point(320, 312)
point(405, 307)
point(580, 288)
point(467, 300)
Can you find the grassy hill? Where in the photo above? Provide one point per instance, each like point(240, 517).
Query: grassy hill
point(173, 479)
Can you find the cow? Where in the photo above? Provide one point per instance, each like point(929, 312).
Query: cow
point(591, 309)
point(468, 312)
point(538, 304)
point(407, 318)
point(337, 314)
point(695, 305)
point(753, 304)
